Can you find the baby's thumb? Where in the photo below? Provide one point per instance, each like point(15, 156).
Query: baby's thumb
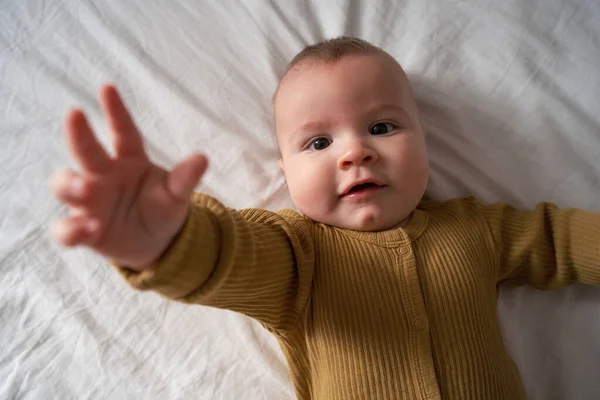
point(185, 176)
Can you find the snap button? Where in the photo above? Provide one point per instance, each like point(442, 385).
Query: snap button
point(419, 324)
point(404, 251)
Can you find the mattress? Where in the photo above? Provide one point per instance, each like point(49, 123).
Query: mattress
point(508, 92)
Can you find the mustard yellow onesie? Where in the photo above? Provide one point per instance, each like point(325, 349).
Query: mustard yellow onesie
point(402, 314)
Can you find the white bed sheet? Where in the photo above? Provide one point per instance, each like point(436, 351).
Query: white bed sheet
point(509, 92)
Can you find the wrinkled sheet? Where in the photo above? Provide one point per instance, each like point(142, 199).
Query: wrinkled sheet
point(509, 94)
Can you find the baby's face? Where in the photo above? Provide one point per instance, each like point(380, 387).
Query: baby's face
point(352, 146)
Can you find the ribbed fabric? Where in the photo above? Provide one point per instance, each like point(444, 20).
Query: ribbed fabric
point(402, 314)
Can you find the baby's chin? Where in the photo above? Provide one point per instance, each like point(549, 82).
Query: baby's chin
point(362, 220)
point(370, 225)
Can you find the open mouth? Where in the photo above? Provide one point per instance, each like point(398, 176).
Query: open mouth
point(362, 186)
point(362, 189)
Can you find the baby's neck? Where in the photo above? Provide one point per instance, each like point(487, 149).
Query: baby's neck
point(402, 223)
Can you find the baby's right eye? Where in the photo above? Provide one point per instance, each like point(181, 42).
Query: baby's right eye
point(319, 144)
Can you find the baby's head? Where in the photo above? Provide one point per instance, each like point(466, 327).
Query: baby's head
point(352, 145)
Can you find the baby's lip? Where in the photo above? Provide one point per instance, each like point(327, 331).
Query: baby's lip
point(363, 182)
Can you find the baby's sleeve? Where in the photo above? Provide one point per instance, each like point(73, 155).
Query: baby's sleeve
point(255, 262)
point(547, 247)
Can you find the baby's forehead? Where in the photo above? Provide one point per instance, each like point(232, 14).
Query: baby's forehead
point(386, 66)
point(387, 62)
point(380, 69)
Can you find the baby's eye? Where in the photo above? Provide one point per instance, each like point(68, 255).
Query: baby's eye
point(381, 128)
point(319, 144)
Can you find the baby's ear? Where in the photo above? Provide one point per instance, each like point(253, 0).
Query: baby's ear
point(280, 163)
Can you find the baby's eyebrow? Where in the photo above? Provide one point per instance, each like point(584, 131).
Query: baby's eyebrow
point(388, 107)
point(312, 126)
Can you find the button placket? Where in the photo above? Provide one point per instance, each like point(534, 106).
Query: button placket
point(417, 322)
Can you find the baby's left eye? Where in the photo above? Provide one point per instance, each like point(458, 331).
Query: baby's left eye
point(381, 128)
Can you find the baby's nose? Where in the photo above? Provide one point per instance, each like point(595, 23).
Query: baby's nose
point(357, 155)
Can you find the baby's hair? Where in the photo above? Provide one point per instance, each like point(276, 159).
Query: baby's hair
point(332, 50)
point(329, 51)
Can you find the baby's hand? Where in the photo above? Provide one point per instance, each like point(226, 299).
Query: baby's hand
point(123, 207)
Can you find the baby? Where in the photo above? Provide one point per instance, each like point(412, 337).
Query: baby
point(371, 292)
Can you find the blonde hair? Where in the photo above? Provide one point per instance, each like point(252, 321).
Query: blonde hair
point(329, 51)
point(332, 50)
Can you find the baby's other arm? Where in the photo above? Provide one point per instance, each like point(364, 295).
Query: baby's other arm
point(547, 247)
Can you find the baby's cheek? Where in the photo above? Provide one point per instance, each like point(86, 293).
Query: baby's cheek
point(307, 195)
point(311, 195)
point(299, 187)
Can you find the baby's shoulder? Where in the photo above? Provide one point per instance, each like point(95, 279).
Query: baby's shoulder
point(469, 203)
point(263, 215)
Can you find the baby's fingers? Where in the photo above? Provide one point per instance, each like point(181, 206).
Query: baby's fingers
point(86, 149)
point(70, 188)
point(126, 137)
point(75, 230)
point(186, 175)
